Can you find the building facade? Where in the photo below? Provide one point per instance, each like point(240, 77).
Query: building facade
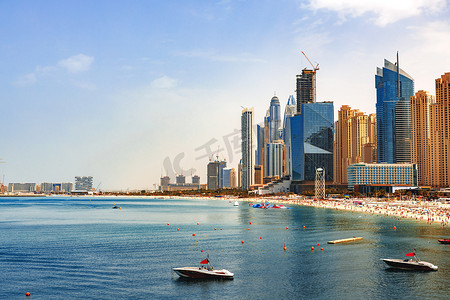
point(275, 119)
point(441, 130)
point(354, 140)
point(394, 90)
point(381, 174)
point(83, 183)
point(421, 145)
point(247, 137)
point(215, 174)
point(290, 111)
point(312, 141)
point(276, 158)
point(22, 187)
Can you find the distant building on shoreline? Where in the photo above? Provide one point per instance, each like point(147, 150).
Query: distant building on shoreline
point(22, 187)
point(83, 183)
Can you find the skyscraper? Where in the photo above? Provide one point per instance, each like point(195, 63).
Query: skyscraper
point(312, 141)
point(441, 128)
point(306, 88)
point(353, 136)
point(215, 174)
point(275, 119)
point(394, 90)
point(248, 151)
point(275, 158)
point(290, 111)
point(421, 144)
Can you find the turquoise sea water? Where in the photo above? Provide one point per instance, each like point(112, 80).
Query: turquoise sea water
point(70, 248)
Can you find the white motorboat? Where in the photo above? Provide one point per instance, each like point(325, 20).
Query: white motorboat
point(236, 203)
point(410, 264)
point(203, 272)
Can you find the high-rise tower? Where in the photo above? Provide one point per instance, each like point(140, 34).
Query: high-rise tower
point(275, 119)
point(394, 90)
point(353, 137)
point(421, 146)
point(248, 151)
point(306, 88)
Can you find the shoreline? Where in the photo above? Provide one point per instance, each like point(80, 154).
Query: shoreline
point(431, 213)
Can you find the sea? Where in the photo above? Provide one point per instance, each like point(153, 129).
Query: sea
point(81, 248)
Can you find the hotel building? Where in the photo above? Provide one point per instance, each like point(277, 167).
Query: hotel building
point(381, 174)
point(248, 150)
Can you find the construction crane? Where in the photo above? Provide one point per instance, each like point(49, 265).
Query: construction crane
point(314, 70)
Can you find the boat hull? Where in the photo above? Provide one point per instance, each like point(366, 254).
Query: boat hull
point(200, 273)
point(444, 241)
point(410, 265)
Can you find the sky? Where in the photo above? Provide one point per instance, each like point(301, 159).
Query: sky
point(127, 91)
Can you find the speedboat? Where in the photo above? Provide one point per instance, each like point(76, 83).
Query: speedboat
point(236, 203)
point(203, 272)
point(410, 264)
point(444, 241)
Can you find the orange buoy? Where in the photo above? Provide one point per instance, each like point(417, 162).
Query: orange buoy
point(321, 249)
point(27, 294)
point(303, 227)
point(248, 228)
point(242, 242)
point(193, 234)
point(215, 228)
point(312, 248)
point(284, 247)
point(287, 228)
point(220, 228)
point(197, 223)
point(395, 228)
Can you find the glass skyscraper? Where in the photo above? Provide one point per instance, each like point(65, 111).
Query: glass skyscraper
point(312, 141)
point(394, 90)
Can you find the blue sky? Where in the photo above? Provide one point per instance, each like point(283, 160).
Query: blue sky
point(112, 89)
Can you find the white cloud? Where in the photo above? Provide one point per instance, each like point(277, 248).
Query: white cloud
point(385, 11)
point(164, 82)
point(77, 63)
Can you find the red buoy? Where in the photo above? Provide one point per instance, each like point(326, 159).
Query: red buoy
point(287, 228)
point(260, 237)
point(303, 227)
point(318, 244)
point(201, 250)
point(178, 229)
point(197, 223)
point(250, 223)
point(193, 234)
point(242, 242)
point(321, 249)
point(312, 248)
point(215, 228)
point(27, 294)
